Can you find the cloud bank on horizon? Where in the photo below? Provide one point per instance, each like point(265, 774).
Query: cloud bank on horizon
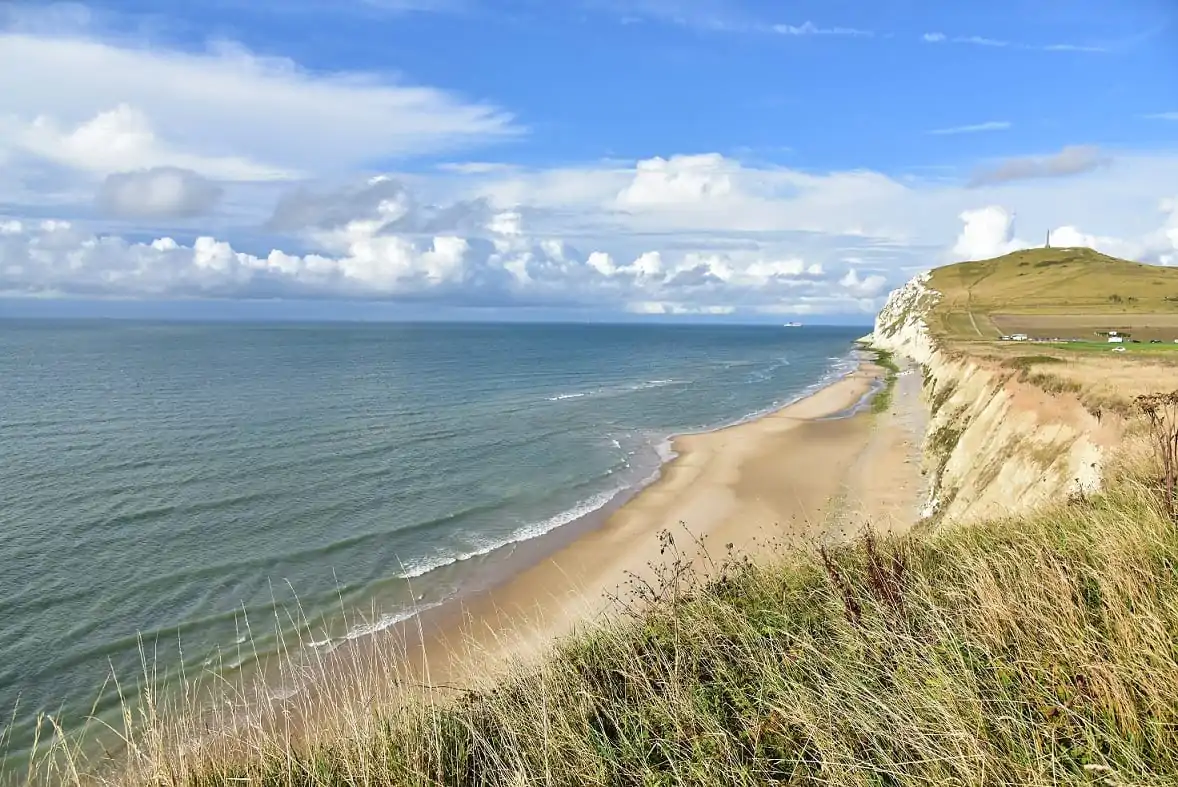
point(191, 167)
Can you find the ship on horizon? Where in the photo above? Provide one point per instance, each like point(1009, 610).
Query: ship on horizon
point(792, 325)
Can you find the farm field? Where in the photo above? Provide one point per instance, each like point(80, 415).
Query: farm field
point(1143, 348)
point(1086, 326)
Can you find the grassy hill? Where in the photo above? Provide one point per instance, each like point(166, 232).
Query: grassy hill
point(1054, 292)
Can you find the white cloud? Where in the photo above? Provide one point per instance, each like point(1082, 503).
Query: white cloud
point(702, 193)
point(56, 257)
point(1163, 116)
point(998, 43)
point(1075, 48)
point(158, 192)
point(501, 263)
point(683, 231)
point(866, 286)
point(992, 125)
point(667, 307)
point(811, 29)
point(988, 233)
point(682, 179)
point(122, 138)
point(980, 41)
point(226, 112)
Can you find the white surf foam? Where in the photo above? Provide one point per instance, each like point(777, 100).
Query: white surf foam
point(524, 533)
point(615, 390)
point(368, 628)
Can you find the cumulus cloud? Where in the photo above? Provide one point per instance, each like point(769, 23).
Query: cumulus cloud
point(56, 257)
point(383, 200)
point(687, 232)
point(1159, 246)
point(1072, 160)
point(160, 192)
point(863, 286)
point(501, 264)
point(988, 233)
point(679, 180)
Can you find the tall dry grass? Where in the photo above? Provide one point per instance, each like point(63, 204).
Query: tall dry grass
point(1041, 650)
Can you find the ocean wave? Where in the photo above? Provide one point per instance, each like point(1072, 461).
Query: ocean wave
point(562, 397)
point(524, 533)
point(616, 390)
point(368, 628)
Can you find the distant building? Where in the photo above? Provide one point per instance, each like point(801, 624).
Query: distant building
point(1018, 337)
point(1116, 339)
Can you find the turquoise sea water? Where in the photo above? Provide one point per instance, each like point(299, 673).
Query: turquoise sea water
point(161, 482)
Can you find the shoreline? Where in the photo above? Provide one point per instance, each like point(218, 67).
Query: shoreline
point(717, 488)
point(502, 563)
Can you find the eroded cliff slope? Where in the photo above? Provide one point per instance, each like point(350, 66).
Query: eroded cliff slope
point(994, 445)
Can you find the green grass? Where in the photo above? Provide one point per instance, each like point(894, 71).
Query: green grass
point(1046, 282)
point(1106, 347)
point(883, 399)
point(1034, 651)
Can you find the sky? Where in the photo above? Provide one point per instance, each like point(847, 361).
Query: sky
point(716, 160)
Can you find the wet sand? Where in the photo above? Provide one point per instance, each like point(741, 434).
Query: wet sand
point(793, 477)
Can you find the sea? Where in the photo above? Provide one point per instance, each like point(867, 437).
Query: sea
point(166, 488)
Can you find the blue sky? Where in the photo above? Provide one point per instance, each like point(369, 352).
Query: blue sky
point(586, 158)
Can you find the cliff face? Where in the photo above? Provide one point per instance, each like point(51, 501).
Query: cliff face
point(901, 325)
point(994, 446)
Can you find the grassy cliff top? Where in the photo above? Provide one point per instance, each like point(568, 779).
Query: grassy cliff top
point(1065, 292)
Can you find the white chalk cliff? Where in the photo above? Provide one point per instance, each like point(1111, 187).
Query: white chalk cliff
point(994, 445)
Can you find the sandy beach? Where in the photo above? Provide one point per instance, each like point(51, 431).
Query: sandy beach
point(793, 477)
point(816, 471)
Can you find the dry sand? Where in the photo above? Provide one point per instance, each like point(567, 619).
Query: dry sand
point(790, 478)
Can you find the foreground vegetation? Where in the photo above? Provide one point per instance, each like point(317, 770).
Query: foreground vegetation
point(1031, 651)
